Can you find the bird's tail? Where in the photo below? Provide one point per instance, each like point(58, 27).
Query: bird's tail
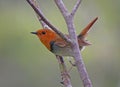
point(87, 28)
point(81, 37)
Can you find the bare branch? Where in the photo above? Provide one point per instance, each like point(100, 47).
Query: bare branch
point(44, 24)
point(75, 47)
point(62, 7)
point(39, 18)
point(39, 12)
point(76, 7)
point(73, 40)
point(64, 73)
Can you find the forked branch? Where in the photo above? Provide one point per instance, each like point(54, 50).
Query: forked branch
point(73, 39)
point(75, 47)
point(75, 7)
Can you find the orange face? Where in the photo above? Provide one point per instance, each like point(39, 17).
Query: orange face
point(46, 36)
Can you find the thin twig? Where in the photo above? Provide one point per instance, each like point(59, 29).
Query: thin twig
point(43, 18)
point(39, 18)
point(75, 7)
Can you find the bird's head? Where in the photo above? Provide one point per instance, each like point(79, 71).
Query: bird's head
point(45, 36)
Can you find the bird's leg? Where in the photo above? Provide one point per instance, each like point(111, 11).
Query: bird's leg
point(73, 65)
point(70, 61)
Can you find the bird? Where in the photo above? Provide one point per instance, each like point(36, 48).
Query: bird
point(57, 45)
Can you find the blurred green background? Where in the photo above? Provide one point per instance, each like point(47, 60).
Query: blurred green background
point(25, 62)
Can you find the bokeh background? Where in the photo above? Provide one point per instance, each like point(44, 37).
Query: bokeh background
point(25, 62)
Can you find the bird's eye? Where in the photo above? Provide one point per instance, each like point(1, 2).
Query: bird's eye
point(43, 32)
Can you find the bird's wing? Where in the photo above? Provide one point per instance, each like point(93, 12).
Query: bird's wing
point(61, 43)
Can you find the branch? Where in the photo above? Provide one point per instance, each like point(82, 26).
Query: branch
point(39, 18)
point(41, 15)
point(75, 7)
point(73, 38)
point(64, 73)
point(62, 7)
point(75, 47)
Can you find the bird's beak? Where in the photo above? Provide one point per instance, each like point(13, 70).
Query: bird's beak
point(34, 33)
